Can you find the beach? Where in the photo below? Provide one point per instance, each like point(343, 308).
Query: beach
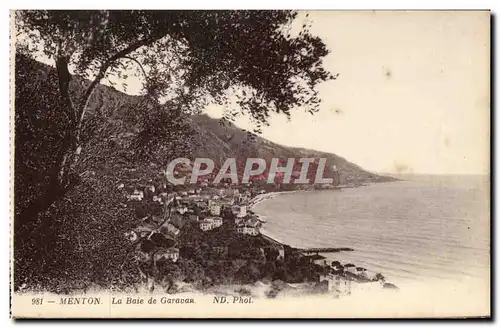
point(384, 224)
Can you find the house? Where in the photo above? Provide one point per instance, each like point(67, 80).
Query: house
point(168, 227)
point(215, 208)
point(281, 252)
point(337, 284)
point(137, 195)
point(216, 221)
point(193, 217)
point(182, 209)
point(349, 267)
point(131, 236)
point(252, 227)
point(316, 259)
point(231, 192)
point(167, 254)
point(158, 199)
point(249, 227)
point(240, 227)
point(220, 250)
point(141, 255)
point(177, 220)
point(239, 221)
point(206, 224)
point(239, 210)
point(144, 230)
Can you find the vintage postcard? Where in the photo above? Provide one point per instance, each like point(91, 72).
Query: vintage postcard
point(250, 164)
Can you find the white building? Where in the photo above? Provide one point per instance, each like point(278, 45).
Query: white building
point(281, 252)
point(250, 227)
point(206, 224)
point(167, 254)
point(239, 211)
point(239, 221)
point(215, 208)
point(137, 195)
point(217, 221)
point(158, 199)
point(193, 217)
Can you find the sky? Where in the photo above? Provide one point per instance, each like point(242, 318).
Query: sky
point(412, 96)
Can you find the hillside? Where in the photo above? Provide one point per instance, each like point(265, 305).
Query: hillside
point(122, 117)
point(230, 141)
point(126, 142)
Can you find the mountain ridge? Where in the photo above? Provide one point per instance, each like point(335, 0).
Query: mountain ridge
point(264, 148)
point(121, 120)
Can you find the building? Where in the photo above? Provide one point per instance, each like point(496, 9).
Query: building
point(182, 209)
point(170, 228)
point(144, 230)
point(167, 254)
point(349, 267)
point(215, 208)
point(337, 284)
point(216, 221)
point(150, 188)
point(206, 224)
point(137, 195)
point(177, 220)
point(252, 231)
point(221, 250)
point(231, 192)
point(249, 227)
point(193, 217)
point(281, 252)
point(239, 211)
point(239, 221)
point(158, 199)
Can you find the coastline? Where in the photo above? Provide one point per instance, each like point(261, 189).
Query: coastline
point(264, 232)
point(269, 195)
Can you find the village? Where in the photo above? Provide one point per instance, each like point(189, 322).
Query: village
point(208, 234)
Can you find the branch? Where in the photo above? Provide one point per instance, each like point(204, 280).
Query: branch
point(82, 108)
point(64, 77)
point(140, 66)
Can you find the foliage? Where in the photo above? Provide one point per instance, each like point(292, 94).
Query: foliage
point(67, 203)
point(198, 56)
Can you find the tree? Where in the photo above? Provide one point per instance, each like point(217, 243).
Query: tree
point(194, 57)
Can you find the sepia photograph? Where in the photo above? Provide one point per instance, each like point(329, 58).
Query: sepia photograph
point(250, 164)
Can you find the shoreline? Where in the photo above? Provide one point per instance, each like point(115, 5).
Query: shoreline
point(263, 197)
point(269, 195)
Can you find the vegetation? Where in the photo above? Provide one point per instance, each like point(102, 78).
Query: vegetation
point(72, 151)
point(193, 57)
point(78, 140)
